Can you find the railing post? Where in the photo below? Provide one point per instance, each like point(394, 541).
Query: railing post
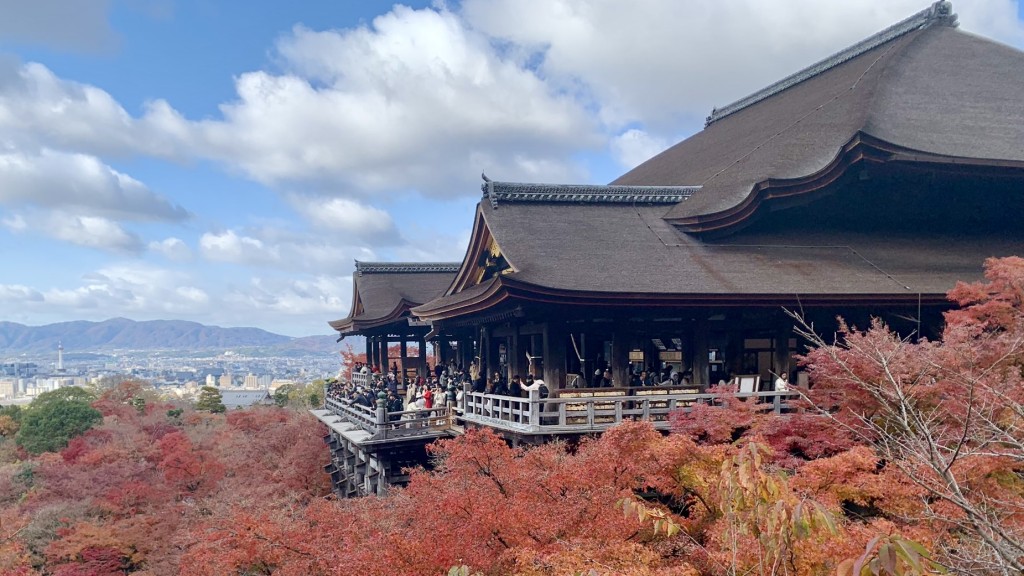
point(777, 403)
point(382, 414)
point(465, 397)
point(534, 407)
point(647, 408)
point(590, 412)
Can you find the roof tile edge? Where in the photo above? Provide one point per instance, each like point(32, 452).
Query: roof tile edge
point(407, 267)
point(940, 13)
point(584, 193)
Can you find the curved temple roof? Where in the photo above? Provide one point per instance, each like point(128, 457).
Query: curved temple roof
point(920, 89)
point(919, 95)
point(384, 292)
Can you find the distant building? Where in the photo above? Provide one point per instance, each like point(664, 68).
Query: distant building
point(60, 356)
point(233, 399)
point(226, 380)
point(211, 380)
point(251, 382)
point(19, 369)
point(278, 382)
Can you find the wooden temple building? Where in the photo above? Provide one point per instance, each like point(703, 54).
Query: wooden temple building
point(865, 185)
point(383, 295)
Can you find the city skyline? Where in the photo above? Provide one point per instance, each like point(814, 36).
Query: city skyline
point(183, 160)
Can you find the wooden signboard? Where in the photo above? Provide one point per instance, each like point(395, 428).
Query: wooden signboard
point(670, 356)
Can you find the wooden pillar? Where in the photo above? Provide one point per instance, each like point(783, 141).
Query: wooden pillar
point(441, 344)
point(554, 355)
point(734, 346)
point(699, 361)
point(423, 357)
point(383, 353)
point(403, 354)
point(374, 358)
point(620, 354)
point(516, 358)
point(369, 349)
point(783, 332)
point(486, 357)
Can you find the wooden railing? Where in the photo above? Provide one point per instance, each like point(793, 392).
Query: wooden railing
point(383, 425)
point(360, 379)
point(568, 411)
point(596, 409)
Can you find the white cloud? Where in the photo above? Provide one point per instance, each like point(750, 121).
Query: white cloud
point(18, 293)
point(92, 232)
point(15, 223)
point(172, 248)
point(635, 146)
point(117, 290)
point(88, 231)
point(81, 184)
point(343, 216)
point(320, 295)
point(269, 248)
point(414, 101)
point(228, 246)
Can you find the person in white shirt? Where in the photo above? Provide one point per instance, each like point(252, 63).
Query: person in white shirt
point(782, 383)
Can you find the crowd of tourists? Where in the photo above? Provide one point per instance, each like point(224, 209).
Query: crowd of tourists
point(444, 384)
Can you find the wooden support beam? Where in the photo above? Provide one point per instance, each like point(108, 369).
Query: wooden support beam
point(783, 332)
point(554, 336)
point(486, 354)
point(699, 361)
point(422, 365)
point(404, 355)
point(620, 355)
point(516, 358)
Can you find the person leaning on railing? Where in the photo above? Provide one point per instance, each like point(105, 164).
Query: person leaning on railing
point(538, 385)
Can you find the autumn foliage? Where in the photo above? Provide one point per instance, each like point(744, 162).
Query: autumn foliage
point(907, 458)
point(127, 496)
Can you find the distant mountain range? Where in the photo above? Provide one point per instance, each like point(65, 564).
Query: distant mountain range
point(124, 334)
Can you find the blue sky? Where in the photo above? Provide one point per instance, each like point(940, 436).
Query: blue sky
point(226, 162)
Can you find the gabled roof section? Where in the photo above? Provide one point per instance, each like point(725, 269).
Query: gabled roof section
point(384, 292)
point(484, 258)
point(939, 13)
point(499, 192)
point(921, 90)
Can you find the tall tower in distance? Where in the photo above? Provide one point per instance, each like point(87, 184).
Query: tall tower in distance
point(60, 356)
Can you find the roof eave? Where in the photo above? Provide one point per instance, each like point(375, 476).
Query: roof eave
point(862, 147)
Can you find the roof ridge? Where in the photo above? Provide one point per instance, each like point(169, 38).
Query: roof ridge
point(940, 12)
point(584, 193)
point(406, 267)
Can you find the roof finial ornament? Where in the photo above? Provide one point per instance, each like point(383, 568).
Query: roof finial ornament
point(487, 187)
point(943, 10)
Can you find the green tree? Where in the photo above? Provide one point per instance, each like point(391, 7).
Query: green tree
point(10, 420)
point(54, 418)
point(282, 394)
point(210, 400)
